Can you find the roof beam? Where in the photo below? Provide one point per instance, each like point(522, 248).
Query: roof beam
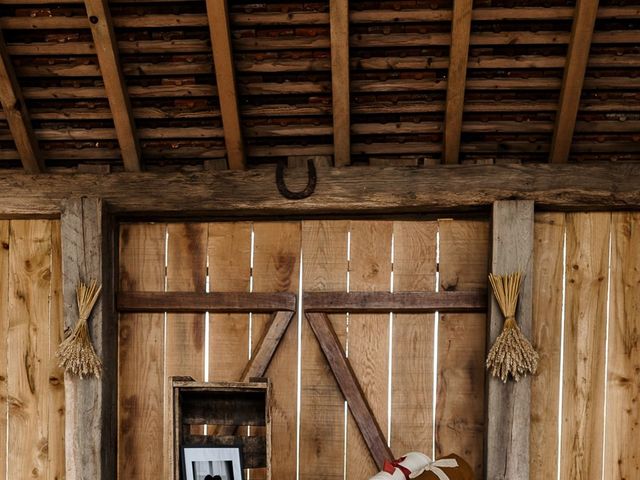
point(575, 67)
point(339, 22)
point(16, 114)
point(226, 82)
point(456, 80)
point(106, 46)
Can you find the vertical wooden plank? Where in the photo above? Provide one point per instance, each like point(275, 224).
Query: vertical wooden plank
point(456, 79)
point(368, 337)
point(546, 338)
point(90, 433)
point(229, 251)
point(276, 268)
point(622, 453)
point(324, 252)
point(184, 338)
point(414, 269)
point(56, 390)
point(339, 21)
point(508, 424)
point(584, 346)
point(4, 333)
point(28, 348)
point(141, 356)
point(460, 407)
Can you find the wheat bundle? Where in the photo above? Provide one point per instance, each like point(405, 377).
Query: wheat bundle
point(76, 352)
point(511, 354)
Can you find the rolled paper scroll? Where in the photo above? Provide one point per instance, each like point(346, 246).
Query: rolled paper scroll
point(414, 464)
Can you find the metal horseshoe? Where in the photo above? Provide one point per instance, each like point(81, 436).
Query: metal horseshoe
point(308, 190)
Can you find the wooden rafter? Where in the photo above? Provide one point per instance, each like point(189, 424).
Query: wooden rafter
point(584, 20)
point(339, 21)
point(226, 82)
point(16, 114)
point(107, 50)
point(456, 80)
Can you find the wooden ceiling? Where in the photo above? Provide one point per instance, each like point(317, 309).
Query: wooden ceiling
point(106, 86)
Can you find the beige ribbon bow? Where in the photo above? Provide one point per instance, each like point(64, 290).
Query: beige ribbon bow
point(435, 466)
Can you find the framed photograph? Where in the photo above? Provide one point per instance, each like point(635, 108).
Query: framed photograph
point(211, 463)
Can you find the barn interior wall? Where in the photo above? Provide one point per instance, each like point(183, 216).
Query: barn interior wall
point(586, 322)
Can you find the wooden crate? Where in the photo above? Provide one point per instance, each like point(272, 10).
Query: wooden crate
point(235, 414)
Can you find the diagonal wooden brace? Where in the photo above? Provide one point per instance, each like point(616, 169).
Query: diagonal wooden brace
point(350, 387)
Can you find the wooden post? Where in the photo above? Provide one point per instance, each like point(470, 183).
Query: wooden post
point(509, 405)
point(339, 22)
point(90, 426)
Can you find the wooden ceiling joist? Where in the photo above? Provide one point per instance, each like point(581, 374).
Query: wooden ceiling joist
point(16, 114)
point(459, 54)
point(339, 15)
point(107, 50)
point(584, 20)
point(226, 82)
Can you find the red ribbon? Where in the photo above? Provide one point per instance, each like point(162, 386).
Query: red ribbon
point(390, 467)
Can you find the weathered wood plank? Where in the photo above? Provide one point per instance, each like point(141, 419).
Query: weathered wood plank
point(584, 345)
point(322, 422)
point(623, 382)
point(141, 356)
point(339, 21)
point(414, 269)
point(276, 268)
point(460, 402)
point(219, 302)
point(186, 270)
point(4, 338)
point(17, 115)
point(28, 348)
point(87, 255)
point(106, 47)
point(363, 415)
point(225, 80)
point(399, 302)
point(340, 190)
point(56, 386)
point(548, 284)
point(584, 20)
point(456, 79)
point(229, 253)
point(368, 336)
point(508, 424)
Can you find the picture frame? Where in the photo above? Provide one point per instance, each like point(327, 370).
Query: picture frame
point(211, 463)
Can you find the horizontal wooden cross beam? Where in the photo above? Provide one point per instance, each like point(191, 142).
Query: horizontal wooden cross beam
point(346, 191)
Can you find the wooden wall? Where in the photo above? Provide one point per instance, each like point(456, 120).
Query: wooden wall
point(401, 361)
point(31, 383)
point(585, 417)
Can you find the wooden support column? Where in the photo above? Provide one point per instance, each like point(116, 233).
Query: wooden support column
point(456, 80)
point(509, 405)
point(90, 427)
point(339, 20)
point(106, 45)
point(16, 114)
point(226, 81)
point(584, 19)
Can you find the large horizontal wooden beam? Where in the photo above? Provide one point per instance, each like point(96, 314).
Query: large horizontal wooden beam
point(374, 190)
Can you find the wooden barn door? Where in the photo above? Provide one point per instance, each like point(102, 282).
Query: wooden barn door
point(423, 375)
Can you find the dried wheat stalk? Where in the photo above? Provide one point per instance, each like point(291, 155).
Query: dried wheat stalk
point(76, 352)
point(511, 354)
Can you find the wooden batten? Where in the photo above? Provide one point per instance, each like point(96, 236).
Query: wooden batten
point(16, 114)
point(456, 80)
point(90, 429)
point(226, 82)
point(509, 405)
point(584, 19)
point(339, 18)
